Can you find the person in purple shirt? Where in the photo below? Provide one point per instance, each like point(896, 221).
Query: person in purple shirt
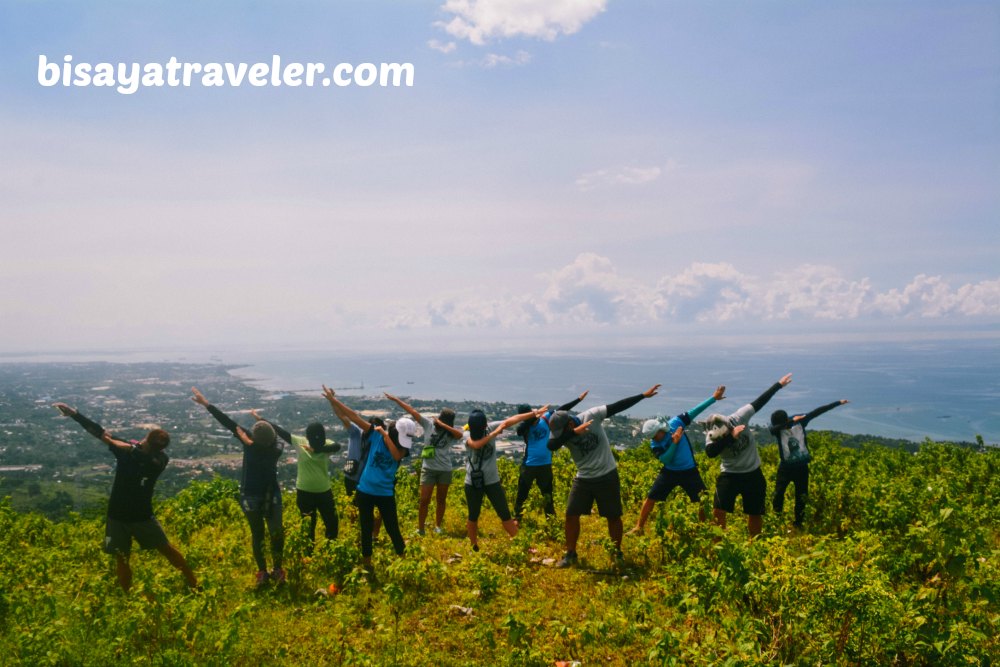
point(130, 508)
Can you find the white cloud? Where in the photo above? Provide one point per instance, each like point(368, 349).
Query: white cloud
point(591, 291)
point(479, 21)
point(443, 47)
point(495, 59)
point(618, 176)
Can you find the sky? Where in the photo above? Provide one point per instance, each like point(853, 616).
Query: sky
point(580, 173)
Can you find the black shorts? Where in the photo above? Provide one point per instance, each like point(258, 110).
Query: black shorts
point(118, 535)
point(750, 485)
point(689, 480)
point(606, 490)
point(495, 492)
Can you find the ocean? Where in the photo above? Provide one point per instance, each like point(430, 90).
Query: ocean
point(942, 390)
point(937, 390)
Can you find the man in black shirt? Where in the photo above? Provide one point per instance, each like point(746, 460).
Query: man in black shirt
point(130, 509)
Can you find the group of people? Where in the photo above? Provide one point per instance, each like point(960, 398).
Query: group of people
point(376, 447)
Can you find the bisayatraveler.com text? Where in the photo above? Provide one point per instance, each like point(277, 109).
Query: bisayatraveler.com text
point(127, 78)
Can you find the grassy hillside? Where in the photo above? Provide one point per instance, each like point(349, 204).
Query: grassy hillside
point(900, 564)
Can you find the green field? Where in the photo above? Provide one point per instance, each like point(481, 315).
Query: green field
point(899, 564)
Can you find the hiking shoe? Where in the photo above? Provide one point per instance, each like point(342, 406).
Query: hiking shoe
point(261, 578)
point(278, 576)
point(569, 560)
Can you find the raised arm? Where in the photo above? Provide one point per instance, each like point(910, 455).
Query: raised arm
point(91, 427)
point(222, 418)
point(347, 412)
point(507, 423)
point(718, 395)
point(407, 407)
point(820, 410)
point(576, 401)
point(762, 400)
point(626, 403)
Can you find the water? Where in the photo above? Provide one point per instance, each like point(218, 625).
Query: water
point(938, 390)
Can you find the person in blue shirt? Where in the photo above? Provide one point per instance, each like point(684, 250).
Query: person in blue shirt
point(673, 449)
point(377, 485)
point(536, 464)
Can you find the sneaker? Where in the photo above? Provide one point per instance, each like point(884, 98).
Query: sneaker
point(261, 578)
point(419, 532)
point(437, 530)
point(475, 547)
point(569, 560)
point(278, 576)
point(619, 559)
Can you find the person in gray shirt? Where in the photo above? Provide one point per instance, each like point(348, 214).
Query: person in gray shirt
point(596, 470)
point(729, 439)
point(440, 435)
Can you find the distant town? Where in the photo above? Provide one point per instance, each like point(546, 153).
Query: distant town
point(50, 465)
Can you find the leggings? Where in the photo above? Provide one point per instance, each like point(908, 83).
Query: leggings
point(258, 511)
point(309, 502)
point(541, 475)
point(387, 510)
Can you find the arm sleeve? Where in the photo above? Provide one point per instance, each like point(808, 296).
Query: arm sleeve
point(715, 447)
point(329, 447)
point(91, 427)
point(817, 412)
point(282, 433)
point(569, 406)
point(624, 404)
point(698, 409)
point(762, 400)
point(225, 420)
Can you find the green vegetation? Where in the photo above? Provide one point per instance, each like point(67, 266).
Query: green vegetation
point(900, 564)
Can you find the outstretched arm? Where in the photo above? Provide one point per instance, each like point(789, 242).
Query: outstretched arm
point(576, 401)
point(91, 427)
point(762, 400)
point(222, 417)
point(718, 395)
point(626, 403)
point(505, 424)
point(820, 410)
point(407, 407)
point(347, 413)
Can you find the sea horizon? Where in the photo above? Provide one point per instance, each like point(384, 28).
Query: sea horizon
point(942, 390)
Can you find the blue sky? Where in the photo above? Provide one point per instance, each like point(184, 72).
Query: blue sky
point(577, 172)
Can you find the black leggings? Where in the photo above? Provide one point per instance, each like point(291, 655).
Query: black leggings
point(309, 502)
point(798, 476)
point(541, 475)
point(387, 510)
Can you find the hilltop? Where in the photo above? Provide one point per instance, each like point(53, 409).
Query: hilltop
point(899, 564)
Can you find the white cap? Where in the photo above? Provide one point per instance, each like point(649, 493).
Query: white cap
point(651, 426)
point(406, 428)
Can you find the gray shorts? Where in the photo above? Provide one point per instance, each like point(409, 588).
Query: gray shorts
point(434, 477)
point(118, 535)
